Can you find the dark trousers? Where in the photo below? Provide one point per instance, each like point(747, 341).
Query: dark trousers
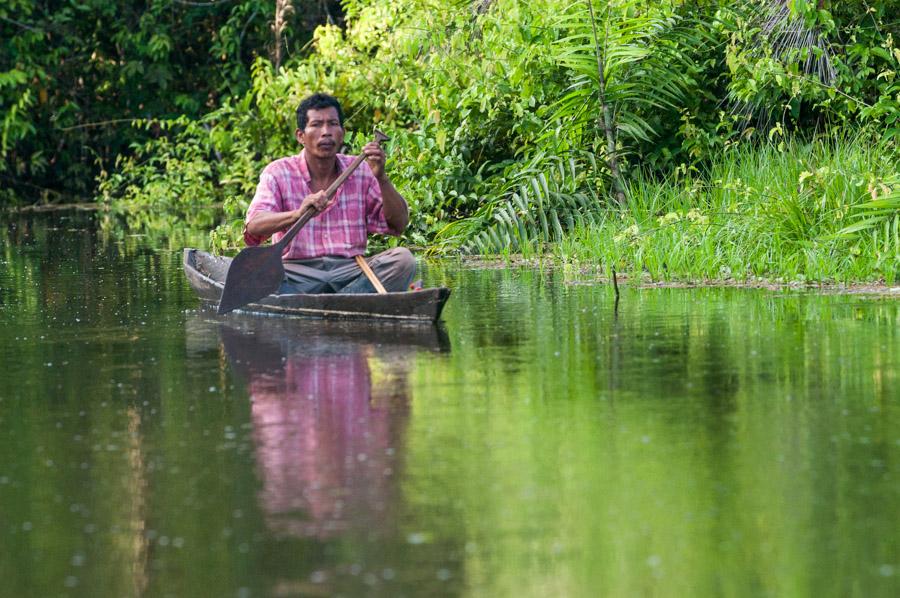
point(395, 269)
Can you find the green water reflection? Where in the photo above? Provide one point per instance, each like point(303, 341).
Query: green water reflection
point(693, 443)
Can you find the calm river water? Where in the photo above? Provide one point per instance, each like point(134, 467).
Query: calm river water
point(718, 442)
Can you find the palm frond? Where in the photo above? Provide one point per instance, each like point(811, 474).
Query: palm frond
point(537, 211)
point(646, 68)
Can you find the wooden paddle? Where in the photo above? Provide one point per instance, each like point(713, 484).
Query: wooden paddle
point(257, 272)
point(364, 266)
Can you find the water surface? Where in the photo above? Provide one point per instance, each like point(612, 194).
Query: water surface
point(538, 443)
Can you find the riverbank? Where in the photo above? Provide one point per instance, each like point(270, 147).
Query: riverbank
point(588, 274)
point(819, 212)
point(825, 212)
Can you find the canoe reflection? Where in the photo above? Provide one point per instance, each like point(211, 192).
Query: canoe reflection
point(329, 409)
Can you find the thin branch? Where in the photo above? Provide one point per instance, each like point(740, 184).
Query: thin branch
point(96, 124)
point(870, 12)
point(14, 182)
point(203, 4)
point(53, 207)
point(22, 25)
point(826, 86)
point(244, 31)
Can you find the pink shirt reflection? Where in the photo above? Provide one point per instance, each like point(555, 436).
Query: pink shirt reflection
point(323, 450)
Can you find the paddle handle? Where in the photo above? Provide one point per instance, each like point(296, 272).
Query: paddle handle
point(295, 228)
point(364, 266)
point(333, 187)
point(329, 193)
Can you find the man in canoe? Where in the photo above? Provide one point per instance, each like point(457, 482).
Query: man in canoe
point(321, 258)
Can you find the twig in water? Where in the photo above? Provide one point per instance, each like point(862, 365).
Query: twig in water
point(616, 287)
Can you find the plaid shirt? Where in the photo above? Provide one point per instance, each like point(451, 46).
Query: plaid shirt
point(341, 230)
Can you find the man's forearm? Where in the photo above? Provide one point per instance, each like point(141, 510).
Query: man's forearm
point(265, 224)
point(396, 212)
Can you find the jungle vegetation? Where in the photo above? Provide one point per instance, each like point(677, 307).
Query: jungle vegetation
point(675, 139)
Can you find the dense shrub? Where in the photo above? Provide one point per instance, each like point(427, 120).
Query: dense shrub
point(75, 74)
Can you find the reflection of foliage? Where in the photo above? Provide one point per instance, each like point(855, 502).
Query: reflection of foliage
point(157, 229)
point(637, 452)
point(97, 327)
point(586, 426)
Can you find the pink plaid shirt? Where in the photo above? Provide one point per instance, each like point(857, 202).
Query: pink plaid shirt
point(341, 230)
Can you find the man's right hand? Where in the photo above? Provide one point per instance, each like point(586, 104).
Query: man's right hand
point(317, 202)
point(264, 224)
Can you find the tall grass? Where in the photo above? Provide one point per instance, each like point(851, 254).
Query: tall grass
point(776, 212)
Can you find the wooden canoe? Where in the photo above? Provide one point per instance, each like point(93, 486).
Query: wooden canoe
point(206, 275)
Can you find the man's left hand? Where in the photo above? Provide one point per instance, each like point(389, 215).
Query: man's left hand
point(375, 157)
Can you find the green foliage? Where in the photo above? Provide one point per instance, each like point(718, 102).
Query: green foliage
point(756, 212)
point(73, 75)
point(648, 66)
point(880, 219)
point(447, 151)
point(546, 199)
point(194, 165)
point(494, 108)
point(804, 62)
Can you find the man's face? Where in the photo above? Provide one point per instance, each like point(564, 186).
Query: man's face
point(323, 135)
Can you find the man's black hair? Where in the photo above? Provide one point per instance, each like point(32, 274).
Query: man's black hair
point(317, 101)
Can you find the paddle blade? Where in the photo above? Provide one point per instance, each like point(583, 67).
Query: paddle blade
point(255, 272)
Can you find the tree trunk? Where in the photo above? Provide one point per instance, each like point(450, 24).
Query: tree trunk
point(605, 119)
point(283, 8)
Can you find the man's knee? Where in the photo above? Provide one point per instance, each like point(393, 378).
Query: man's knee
point(404, 259)
point(397, 266)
